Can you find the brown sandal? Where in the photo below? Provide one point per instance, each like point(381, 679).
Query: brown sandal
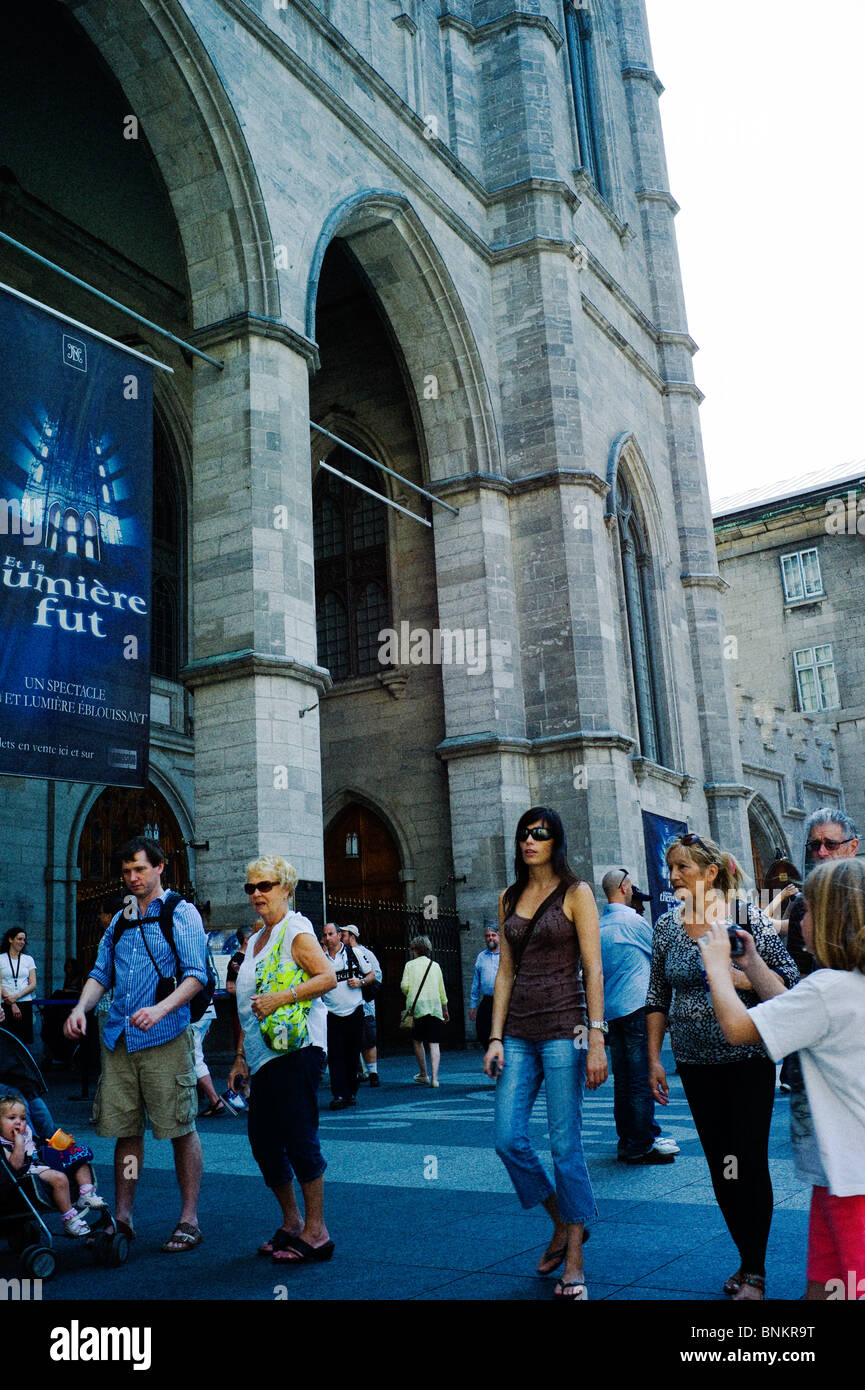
point(732, 1284)
point(752, 1281)
point(185, 1236)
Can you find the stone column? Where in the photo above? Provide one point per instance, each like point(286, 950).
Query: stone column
point(254, 671)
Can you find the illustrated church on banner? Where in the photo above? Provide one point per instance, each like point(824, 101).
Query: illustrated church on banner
point(434, 544)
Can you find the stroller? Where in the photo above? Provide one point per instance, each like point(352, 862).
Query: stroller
point(21, 1204)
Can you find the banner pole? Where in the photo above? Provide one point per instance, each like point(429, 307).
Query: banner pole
point(85, 328)
point(115, 303)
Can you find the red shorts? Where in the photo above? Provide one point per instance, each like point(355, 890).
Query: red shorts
point(836, 1241)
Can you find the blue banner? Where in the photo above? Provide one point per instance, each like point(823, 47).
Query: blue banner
point(76, 492)
point(658, 834)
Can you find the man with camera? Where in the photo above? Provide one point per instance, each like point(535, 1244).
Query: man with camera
point(147, 1057)
point(345, 1013)
point(626, 953)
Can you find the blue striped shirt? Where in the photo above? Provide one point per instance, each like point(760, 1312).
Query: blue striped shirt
point(484, 978)
point(136, 978)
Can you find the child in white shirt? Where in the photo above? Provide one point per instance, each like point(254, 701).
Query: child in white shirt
point(823, 1018)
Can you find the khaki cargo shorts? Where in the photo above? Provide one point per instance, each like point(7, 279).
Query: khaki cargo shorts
point(157, 1080)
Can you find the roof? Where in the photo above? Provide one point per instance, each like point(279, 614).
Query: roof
point(786, 489)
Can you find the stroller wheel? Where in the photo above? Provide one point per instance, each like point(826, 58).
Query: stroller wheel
point(19, 1238)
point(118, 1250)
point(38, 1261)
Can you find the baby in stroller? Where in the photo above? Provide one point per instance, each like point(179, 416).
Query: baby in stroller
point(20, 1151)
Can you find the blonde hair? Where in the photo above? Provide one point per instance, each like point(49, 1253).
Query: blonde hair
point(6, 1103)
point(835, 893)
point(730, 878)
point(271, 866)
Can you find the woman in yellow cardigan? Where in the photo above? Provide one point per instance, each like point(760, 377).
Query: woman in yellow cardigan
point(424, 990)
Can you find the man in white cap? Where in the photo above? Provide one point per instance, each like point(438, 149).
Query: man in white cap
point(349, 936)
point(344, 1015)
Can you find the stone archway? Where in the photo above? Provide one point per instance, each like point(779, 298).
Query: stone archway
point(361, 856)
point(444, 371)
point(180, 102)
point(767, 836)
point(116, 815)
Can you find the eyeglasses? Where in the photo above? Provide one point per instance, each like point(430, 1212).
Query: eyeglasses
point(689, 840)
point(624, 874)
point(831, 846)
point(263, 887)
point(535, 832)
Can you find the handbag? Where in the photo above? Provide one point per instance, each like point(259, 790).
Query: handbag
point(407, 1019)
point(285, 1030)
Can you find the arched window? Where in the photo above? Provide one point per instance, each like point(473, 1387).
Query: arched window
point(645, 663)
point(578, 29)
point(351, 588)
point(53, 532)
point(91, 537)
point(71, 526)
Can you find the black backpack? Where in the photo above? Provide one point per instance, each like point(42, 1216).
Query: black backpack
point(168, 983)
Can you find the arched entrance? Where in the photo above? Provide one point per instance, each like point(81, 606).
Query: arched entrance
point(767, 838)
point(361, 857)
point(116, 815)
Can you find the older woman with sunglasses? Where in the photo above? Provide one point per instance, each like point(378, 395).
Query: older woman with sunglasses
point(541, 1032)
point(284, 1061)
point(730, 1090)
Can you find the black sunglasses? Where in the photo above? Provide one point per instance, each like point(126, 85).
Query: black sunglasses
point(263, 887)
point(812, 846)
point(689, 839)
point(535, 832)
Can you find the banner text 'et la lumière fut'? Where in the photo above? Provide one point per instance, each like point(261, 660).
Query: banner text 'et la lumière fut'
point(76, 497)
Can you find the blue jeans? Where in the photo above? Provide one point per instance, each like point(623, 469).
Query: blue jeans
point(561, 1066)
point(633, 1102)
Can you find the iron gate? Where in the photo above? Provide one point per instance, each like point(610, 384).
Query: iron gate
point(387, 928)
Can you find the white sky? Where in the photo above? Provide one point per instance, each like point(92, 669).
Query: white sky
point(763, 126)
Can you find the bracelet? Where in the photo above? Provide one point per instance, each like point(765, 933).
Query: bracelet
point(495, 1040)
point(293, 992)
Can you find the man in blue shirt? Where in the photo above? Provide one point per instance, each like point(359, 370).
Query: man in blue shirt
point(147, 1058)
point(626, 953)
point(483, 984)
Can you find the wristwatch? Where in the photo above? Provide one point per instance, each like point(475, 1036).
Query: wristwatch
point(595, 1023)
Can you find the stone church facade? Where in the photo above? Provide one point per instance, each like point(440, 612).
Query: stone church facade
point(441, 231)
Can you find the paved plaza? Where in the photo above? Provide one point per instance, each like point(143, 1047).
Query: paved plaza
point(421, 1208)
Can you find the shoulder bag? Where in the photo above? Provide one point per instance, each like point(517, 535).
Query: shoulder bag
point(408, 1014)
point(285, 1030)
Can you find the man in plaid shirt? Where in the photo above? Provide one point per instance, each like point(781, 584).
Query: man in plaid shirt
point(147, 1058)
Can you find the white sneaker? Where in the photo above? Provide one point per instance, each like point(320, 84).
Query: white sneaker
point(665, 1145)
point(91, 1201)
point(76, 1226)
point(420, 1080)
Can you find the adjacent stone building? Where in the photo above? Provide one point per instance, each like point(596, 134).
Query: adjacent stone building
point(793, 555)
point(441, 231)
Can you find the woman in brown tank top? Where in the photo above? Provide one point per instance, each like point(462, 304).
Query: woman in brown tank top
point(543, 1032)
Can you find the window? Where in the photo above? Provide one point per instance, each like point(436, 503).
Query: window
point(801, 575)
point(816, 683)
point(351, 588)
point(578, 30)
point(638, 611)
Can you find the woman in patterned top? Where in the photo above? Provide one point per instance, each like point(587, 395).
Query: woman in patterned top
point(541, 1033)
point(730, 1090)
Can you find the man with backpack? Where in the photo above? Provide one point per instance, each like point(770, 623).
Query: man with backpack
point(147, 1058)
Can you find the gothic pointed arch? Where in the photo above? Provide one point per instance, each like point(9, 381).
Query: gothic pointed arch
point(429, 327)
point(639, 536)
point(183, 109)
point(767, 836)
